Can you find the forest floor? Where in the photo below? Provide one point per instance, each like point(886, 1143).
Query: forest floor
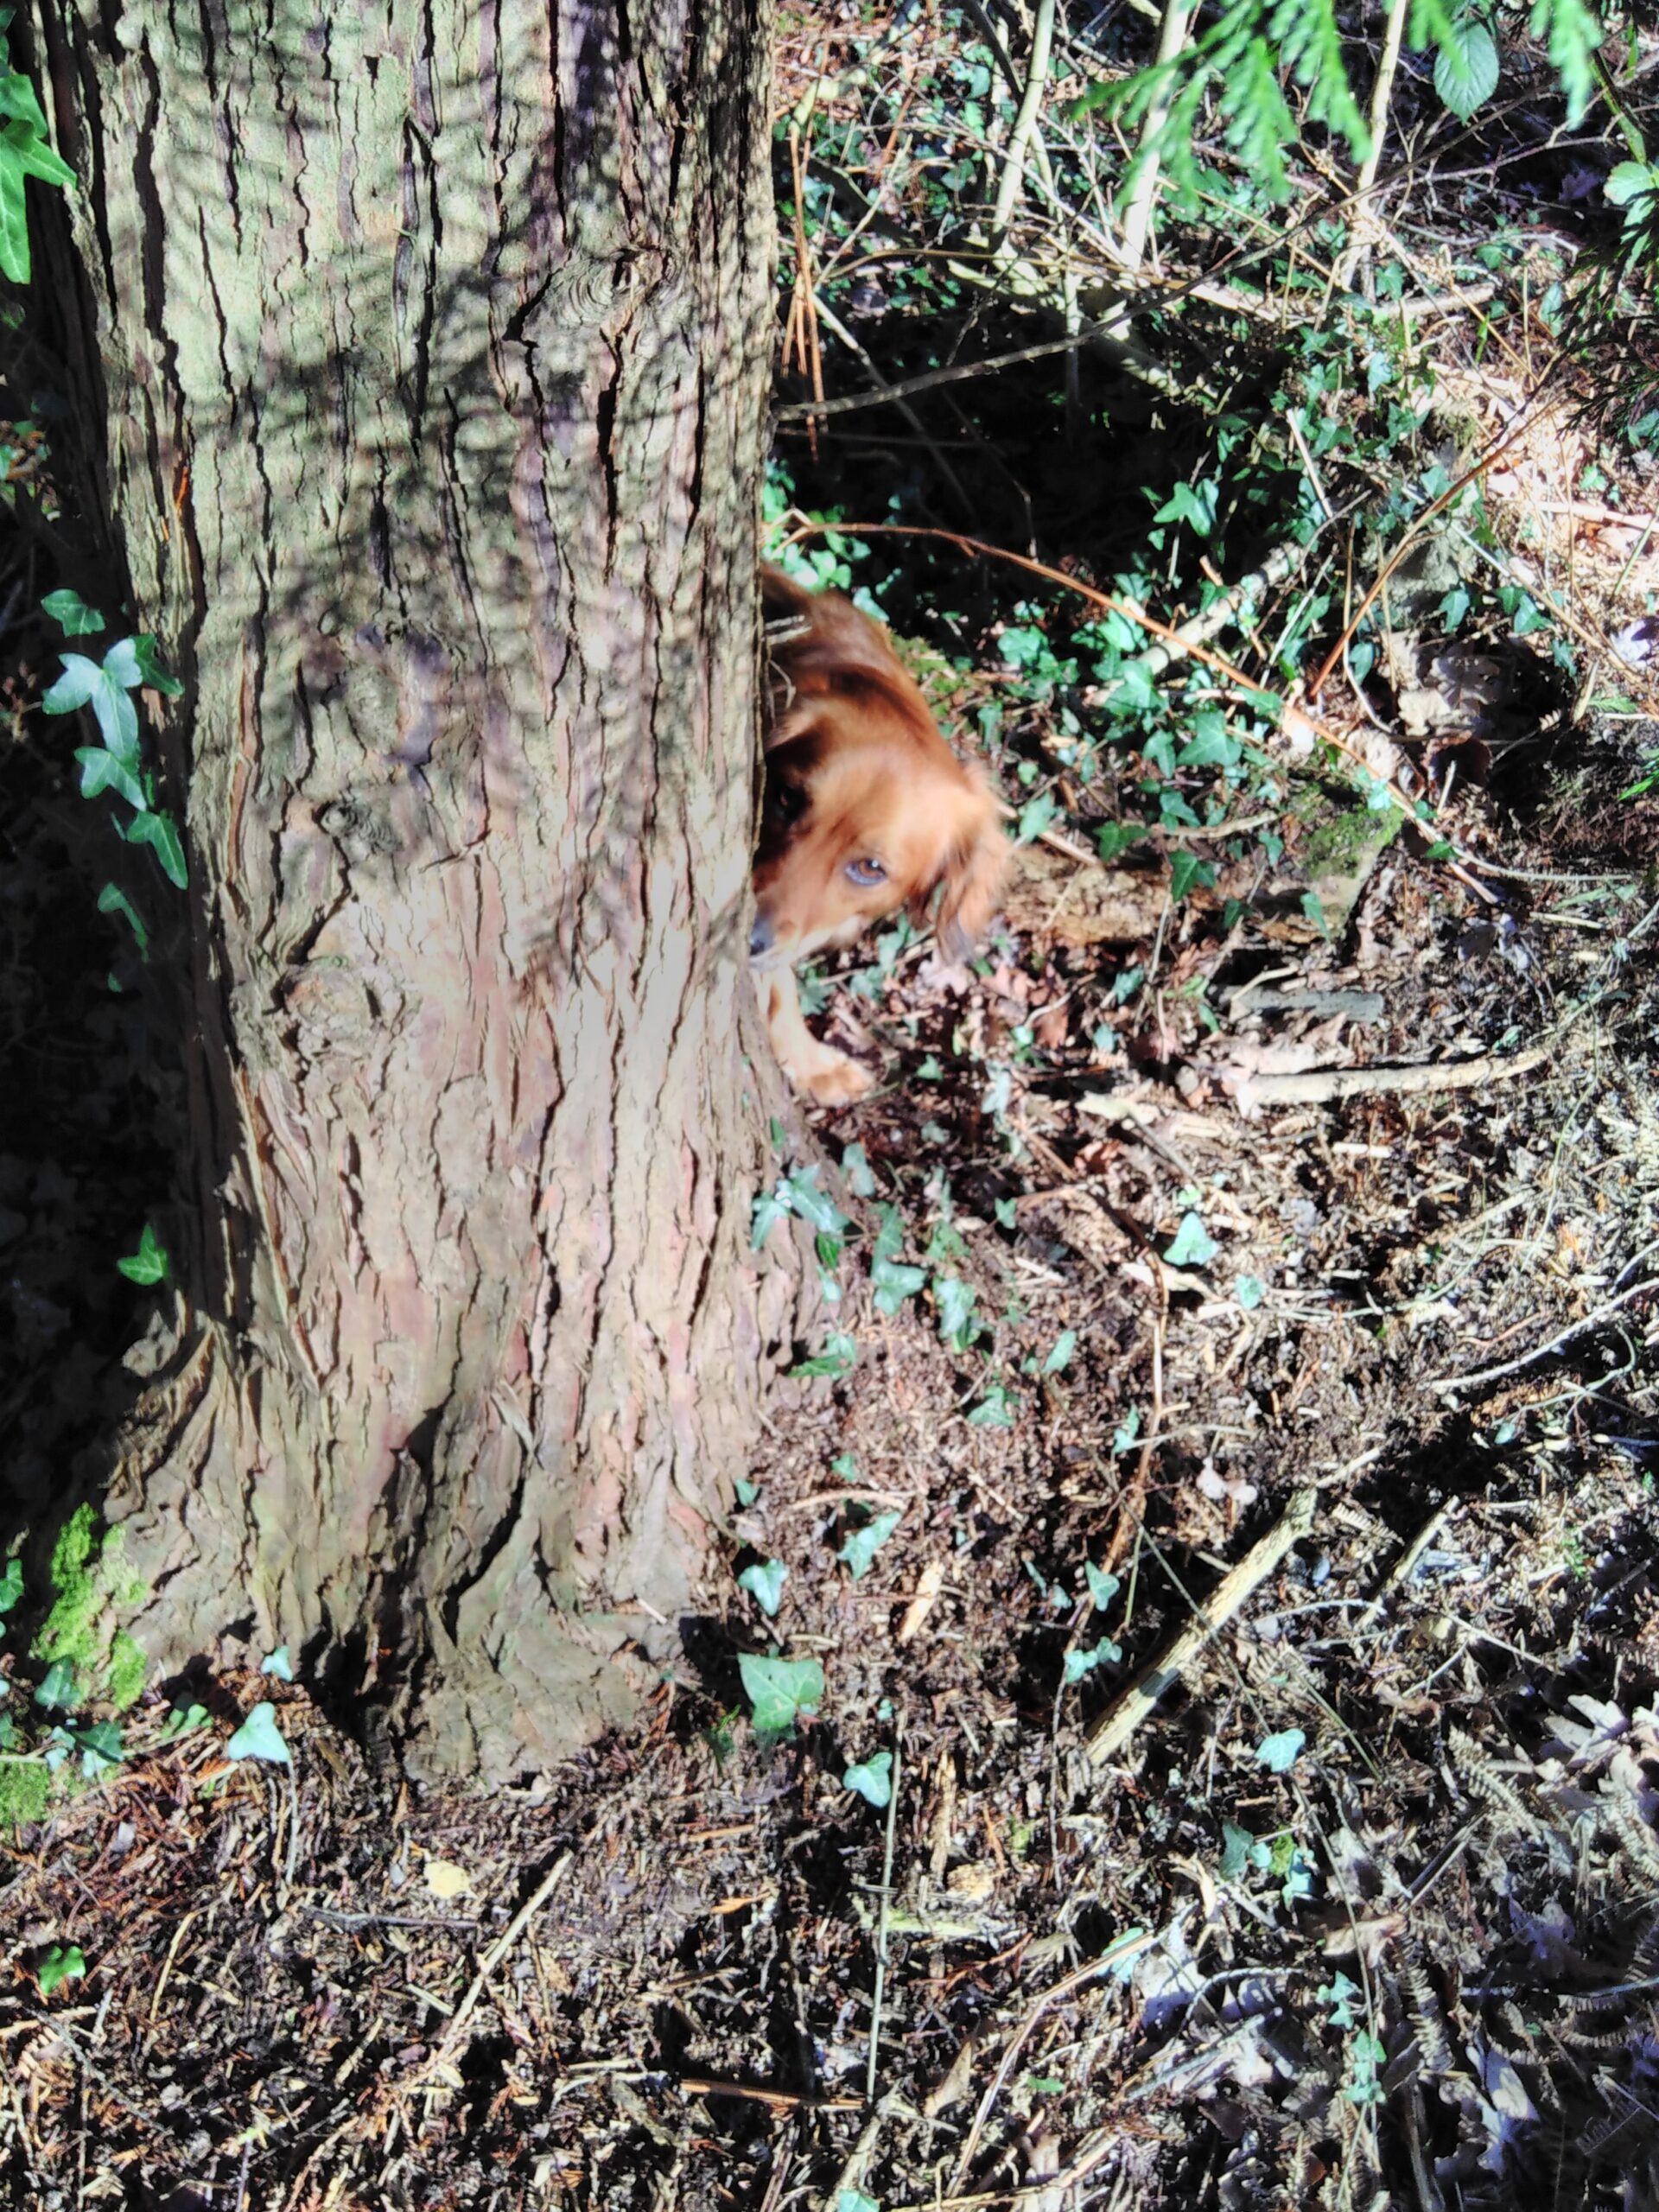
point(1311, 1241)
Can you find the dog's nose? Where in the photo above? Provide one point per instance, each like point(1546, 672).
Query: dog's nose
point(760, 937)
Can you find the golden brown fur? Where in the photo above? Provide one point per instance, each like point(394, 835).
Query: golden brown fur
point(867, 809)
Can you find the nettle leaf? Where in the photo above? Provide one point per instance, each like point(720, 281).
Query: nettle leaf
point(1193, 1246)
point(873, 1779)
point(103, 772)
point(1465, 71)
point(259, 1737)
point(858, 1553)
point(1279, 1753)
point(764, 1584)
point(70, 611)
point(160, 832)
point(780, 1690)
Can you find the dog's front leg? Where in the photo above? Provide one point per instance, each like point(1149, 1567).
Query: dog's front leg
point(818, 1070)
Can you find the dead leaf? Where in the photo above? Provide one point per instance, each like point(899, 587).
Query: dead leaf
point(445, 1880)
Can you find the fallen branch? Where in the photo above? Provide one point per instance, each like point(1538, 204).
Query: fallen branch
point(1114, 1727)
point(1319, 1086)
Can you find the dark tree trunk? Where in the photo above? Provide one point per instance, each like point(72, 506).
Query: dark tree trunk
point(435, 343)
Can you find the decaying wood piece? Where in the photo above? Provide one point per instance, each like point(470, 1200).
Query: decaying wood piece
point(437, 343)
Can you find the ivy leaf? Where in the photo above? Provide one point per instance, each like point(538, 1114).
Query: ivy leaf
point(998, 1409)
point(150, 672)
point(955, 1302)
point(71, 613)
point(259, 1737)
point(11, 1584)
point(149, 1262)
point(1279, 1753)
point(873, 1779)
point(1250, 1291)
point(1187, 871)
point(1103, 1586)
point(99, 1745)
point(279, 1665)
point(780, 1691)
point(840, 1352)
point(160, 832)
point(1193, 1246)
point(57, 1692)
point(103, 772)
point(893, 1283)
point(1079, 1663)
point(181, 1720)
point(64, 1962)
point(769, 1208)
point(113, 900)
point(764, 1584)
point(815, 1207)
point(861, 1545)
point(855, 1166)
point(1060, 1358)
point(23, 153)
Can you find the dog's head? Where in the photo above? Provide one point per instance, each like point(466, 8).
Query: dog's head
point(866, 809)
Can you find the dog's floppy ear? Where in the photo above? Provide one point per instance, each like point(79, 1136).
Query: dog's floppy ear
point(974, 872)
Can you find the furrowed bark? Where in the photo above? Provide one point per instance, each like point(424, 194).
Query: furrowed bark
point(435, 343)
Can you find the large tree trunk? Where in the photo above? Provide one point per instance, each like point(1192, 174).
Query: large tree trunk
point(435, 342)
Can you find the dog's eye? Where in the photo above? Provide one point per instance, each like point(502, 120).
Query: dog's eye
point(865, 872)
point(788, 800)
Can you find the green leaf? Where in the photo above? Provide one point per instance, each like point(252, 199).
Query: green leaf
point(861, 1545)
point(845, 1464)
point(1250, 1291)
point(893, 1283)
point(1186, 870)
point(181, 1720)
point(149, 1262)
point(815, 1207)
point(160, 832)
point(112, 901)
point(1103, 1586)
point(780, 1691)
point(1079, 1663)
point(769, 1208)
point(1279, 1753)
point(998, 1409)
point(70, 611)
point(955, 1303)
point(853, 2200)
point(1210, 746)
point(121, 664)
point(23, 152)
point(855, 1166)
point(150, 672)
point(872, 1780)
point(80, 678)
point(1115, 837)
point(57, 1692)
point(1060, 1358)
point(102, 772)
point(99, 1745)
point(63, 1962)
point(764, 1584)
point(840, 1352)
point(1193, 1246)
point(1465, 74)
point(259, 1737)
point(11, 1584)
point(279, 1666)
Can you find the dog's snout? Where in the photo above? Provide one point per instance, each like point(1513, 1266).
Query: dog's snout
point(761, 937)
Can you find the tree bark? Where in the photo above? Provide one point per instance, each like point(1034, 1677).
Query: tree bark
point(435, 342)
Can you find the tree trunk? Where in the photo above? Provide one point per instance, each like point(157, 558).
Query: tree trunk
point(435, 343)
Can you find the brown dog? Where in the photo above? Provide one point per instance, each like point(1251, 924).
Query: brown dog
point(867, 809)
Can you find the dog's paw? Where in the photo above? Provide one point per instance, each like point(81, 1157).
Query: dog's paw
point(833, 1079)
